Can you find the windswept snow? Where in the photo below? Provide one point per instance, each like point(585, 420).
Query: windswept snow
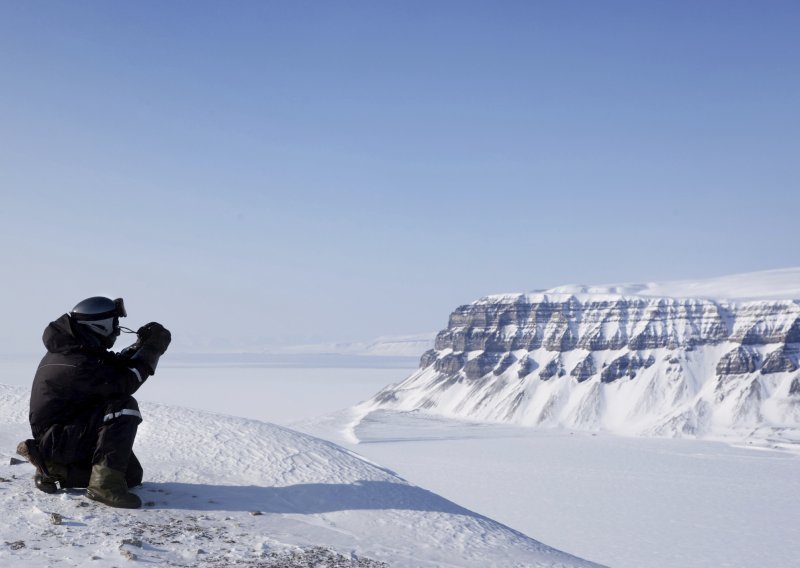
point(222, 490)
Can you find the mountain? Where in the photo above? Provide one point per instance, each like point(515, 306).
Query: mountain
point(692, 358)
point(225, 491)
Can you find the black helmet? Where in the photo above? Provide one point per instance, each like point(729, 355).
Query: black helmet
point(101, 315)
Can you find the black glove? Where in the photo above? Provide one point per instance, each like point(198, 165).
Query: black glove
point(154, 335)
point(153, 342)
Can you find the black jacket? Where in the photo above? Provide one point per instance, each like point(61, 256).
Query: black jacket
point(77, 376)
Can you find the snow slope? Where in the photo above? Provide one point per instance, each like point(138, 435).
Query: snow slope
point(221, 490)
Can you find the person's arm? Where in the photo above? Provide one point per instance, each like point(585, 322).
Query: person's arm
point(153, 340)
point(124, 373)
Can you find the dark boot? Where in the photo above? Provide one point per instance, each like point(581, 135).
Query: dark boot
point(48, 476)
point(108, 486)
point(78, 475)
point(134, 472)
point(55, 479)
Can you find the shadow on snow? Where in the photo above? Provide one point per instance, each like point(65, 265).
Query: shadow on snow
point(299, 499)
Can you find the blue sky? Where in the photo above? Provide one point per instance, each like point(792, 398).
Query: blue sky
point(300, 171)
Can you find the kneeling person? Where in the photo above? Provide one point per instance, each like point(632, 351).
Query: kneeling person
point(82, 415)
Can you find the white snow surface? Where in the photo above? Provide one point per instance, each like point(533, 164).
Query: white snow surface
point(389, 346)
point(779, 284)
point(386, 346)
point(221, 491)
point(622, 501)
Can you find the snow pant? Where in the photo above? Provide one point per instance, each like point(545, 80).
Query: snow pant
point(103, 436)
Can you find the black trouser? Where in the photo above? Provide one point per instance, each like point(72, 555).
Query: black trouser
point(104, 436)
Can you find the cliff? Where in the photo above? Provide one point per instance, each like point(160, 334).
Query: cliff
point(609, 359)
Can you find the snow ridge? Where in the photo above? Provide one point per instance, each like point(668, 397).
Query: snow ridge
point(221, 491)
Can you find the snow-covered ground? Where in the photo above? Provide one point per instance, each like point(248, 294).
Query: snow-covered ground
point(223, 490)
point(623, 502)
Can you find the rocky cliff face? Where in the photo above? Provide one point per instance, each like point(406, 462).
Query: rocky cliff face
point(629, 364)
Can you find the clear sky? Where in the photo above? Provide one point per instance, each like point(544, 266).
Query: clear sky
point(291, 171)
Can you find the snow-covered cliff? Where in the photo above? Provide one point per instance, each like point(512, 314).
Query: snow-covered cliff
point(644, 359)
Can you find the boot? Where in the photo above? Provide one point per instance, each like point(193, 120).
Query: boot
point(53, 480)
point(48, 476)
point(108, 486)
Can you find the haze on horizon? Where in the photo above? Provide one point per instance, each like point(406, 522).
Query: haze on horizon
point(297, 172)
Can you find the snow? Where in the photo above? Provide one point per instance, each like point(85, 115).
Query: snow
point(621, 501)
point(677, 389)
point(390, 346)
point(387, 346)
point(225, 485)
point(281, 395)
point(780, 284)
point(224, 490)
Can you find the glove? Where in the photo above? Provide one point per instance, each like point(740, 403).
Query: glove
point(154, 335)
point(153, 341)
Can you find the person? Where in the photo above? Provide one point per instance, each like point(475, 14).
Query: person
point(83, 416)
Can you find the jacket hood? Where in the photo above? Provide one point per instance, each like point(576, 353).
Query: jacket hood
point(61, 337)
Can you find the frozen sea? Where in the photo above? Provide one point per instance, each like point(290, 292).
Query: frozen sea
point(623, 502)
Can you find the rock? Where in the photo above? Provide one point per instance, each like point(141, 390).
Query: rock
point(559, 334)
point(553, 368)
point(739, 361)
point(451, 363)
point(534, 336)
point(428, 358)
point(625, 366)
point(527, 365)
point(782, 360)
point(317, 556)
point(618, 368)
point(386, 395)
point(504, 364)
point(584, 370)
point(481, 365)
